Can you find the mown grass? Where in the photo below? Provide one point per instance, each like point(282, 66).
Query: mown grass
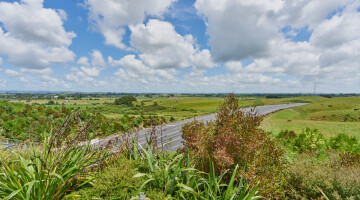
point(330, 116)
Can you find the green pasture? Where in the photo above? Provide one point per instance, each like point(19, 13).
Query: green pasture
point(331, 116)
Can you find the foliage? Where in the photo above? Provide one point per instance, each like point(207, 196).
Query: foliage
point(24, 121)
point(174, 174)
point(343, 142)
point(125, 100)
point(116, 181)
point(54, 171)
point(336, 180)
point(309, 140)
point(313, 140)
point(235, 139)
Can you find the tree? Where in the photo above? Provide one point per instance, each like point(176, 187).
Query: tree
point(51, 102)
point(125, 100)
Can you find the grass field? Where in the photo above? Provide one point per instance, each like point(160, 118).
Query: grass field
point(330, 116)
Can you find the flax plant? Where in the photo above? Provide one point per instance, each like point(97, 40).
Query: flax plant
point(55, 169)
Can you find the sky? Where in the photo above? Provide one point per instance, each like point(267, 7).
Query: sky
point(177, 46)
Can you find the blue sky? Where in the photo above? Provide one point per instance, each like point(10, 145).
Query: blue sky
point(180, 46)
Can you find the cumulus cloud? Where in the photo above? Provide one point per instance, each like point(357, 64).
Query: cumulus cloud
point(245, 29)
point(341, 28)
point(97, 59)
point(110, 17)
point(36, 32)
point(307, 12)
point(253, 29)
point(87, 72)
point(134, 70)
point(238, 29)
point(83, 61)
point(160, 46)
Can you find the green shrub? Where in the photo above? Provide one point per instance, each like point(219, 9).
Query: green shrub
point(125, 100)
point(309, 140)
point(116, 182)
point(343, 142)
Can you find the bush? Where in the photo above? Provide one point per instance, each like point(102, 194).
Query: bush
point(337, 181)
point(51, 102)
point(235, 139)
point(125, 100)
point(116, 182)
point(309, 140)
point(343, 142)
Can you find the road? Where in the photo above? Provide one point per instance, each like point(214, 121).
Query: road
point(171, 133)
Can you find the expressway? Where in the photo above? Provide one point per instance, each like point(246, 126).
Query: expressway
point(171, 133)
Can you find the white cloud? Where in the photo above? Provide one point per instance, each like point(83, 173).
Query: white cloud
point(162, 47)
point(110, 17)
point(338, 30)
point(45, 71)
point(36, 32)
point(83, 61)
point(12, 73)
point(49, 81)
point(136, 75)
point(307, 12)
point(234, 66)
point(85, 75)
point(252, 29)
point(93, 72)
point(1, 61)
point(202, 59)
point(97, 59)
point(238, 29)
point(245, 29)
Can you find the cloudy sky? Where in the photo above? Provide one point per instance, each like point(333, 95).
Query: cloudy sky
point(180, 45)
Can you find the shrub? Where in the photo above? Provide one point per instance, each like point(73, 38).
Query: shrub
point(343, 142)
point(125, 100)
point(309, 140)
point(235, 139)
point(116, 182)
point(307, 174)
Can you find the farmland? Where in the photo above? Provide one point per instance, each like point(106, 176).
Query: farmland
point(331, 116)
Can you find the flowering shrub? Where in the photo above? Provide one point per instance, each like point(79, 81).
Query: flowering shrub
point(234, 138)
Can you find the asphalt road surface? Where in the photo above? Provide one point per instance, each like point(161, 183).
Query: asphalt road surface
point(171, 133)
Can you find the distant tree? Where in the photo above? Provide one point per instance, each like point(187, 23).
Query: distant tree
point(51, 102)
point(125, 100)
